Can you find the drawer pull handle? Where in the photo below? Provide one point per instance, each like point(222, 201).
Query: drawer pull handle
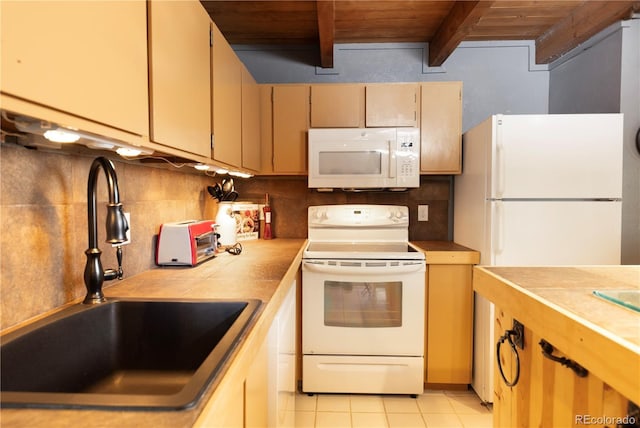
point(509, 336)
point(547, 351)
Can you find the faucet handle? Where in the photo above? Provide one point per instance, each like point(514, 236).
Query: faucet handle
point(119, 256)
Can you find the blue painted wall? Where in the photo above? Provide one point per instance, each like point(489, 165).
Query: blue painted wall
point(498, 77)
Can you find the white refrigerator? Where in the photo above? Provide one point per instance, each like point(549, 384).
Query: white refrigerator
point(537, 190)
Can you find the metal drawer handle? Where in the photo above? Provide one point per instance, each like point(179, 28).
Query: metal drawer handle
point(547, 351)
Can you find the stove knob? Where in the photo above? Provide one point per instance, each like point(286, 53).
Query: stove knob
point(319, 215)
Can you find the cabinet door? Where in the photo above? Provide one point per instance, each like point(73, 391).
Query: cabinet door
point(441, 128)
point(88, 59)
point(449, 324)
point(290, 126)
point(227, 102)
point(256, 387)
point(226, 411)
point(282, 363)
point(266, 129)
point(547, 393)
point(337, 106)
point(392, 104)
point(251, 154)
point(180, 75)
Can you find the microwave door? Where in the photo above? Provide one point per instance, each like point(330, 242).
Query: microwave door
point(352, 165)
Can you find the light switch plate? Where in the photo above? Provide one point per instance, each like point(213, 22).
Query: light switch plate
point(423, 212)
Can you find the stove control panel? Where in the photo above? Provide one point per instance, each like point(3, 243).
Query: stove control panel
point(358, 216)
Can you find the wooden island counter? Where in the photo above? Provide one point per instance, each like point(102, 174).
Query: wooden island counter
point(556, 304)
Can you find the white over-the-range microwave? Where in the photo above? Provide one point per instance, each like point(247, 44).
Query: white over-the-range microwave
point(364, 158)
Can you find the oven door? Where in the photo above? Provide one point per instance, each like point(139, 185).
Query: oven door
point(363, 307)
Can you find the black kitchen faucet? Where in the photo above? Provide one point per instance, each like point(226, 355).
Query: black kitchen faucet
point(116, 225)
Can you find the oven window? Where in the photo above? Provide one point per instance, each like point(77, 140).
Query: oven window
point(350, 163)
point(363, 304)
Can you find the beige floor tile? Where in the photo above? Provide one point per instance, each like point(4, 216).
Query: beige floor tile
point(442, 420)
point(401, 404)
point(367, 404)
point(287, 419)
point(435, 403)
point(305, 419)
point(369, 420)
point(306, 403)
point(333, 420)
point(405, 420)
point(468, 405)
point(460, 393)
point(333, 403)
point(433, 409)
point(477, 421)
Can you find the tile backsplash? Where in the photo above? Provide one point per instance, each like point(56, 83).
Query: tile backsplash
point(289, 198)
point(43, 215)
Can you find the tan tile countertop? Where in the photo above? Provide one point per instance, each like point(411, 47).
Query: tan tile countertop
point(265, 270)
point(447, 252)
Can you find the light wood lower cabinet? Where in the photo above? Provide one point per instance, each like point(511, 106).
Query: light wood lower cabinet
point(449, 324)
point(547, 393)
point(266, 395)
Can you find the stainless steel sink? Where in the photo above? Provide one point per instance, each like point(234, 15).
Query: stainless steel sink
point(143, 354)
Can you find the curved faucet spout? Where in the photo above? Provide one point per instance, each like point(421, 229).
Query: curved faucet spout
point(116, 225)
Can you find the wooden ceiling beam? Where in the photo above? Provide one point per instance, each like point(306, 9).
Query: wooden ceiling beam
point(464, 15)
point(326, 31)
point(585, 21)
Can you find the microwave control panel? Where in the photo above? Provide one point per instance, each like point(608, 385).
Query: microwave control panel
point(408, 152)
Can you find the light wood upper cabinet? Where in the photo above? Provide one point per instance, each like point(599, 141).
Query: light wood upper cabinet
point(392, 104)
point(251, 153)
point(180, 70)
point(227, 102)
point(441, 128)
point(290, 126)
point(337, 106)
point(88, 59)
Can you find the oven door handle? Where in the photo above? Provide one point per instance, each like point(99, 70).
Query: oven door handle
point(363, 268)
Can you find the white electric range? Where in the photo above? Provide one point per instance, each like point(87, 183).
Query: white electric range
point(363, 291)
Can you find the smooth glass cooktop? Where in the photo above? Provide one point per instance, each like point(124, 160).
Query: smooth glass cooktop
point(361, 247)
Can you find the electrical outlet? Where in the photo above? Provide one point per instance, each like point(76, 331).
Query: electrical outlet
point(423, 212)
point(128, 241)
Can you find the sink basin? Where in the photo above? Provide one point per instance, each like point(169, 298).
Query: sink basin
point(143, 354)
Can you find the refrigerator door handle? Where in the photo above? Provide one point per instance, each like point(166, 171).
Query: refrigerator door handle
point(500, 167)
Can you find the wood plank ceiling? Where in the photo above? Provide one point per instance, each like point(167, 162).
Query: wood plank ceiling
point(556, 26)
